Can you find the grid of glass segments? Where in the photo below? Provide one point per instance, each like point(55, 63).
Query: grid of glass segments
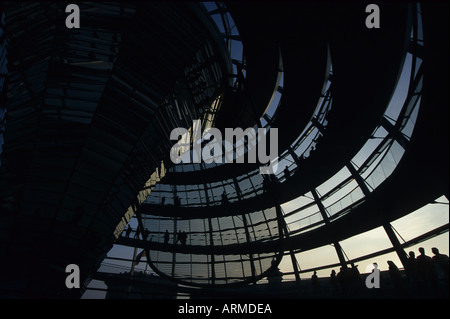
point(374, 163)
point(251, 183)
point(194, 268)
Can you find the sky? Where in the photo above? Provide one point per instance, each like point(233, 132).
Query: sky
point(410, 226)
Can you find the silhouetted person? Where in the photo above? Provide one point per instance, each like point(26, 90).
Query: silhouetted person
point(138, 231)
point(425, 269)
point(441, 269)
point(273, 263)
point(224, 198)
point(128, 232)
point(315, 282)
point(287, 174)
point(177, 201)
point(395, 275)
point(440, 262)
point(183, 238)
point(355, 278)
point(166, 237)
point(342, 277)
point(163, 200)
point(179, 236)
point(334, 283)
point(413, 274)
point(412, 262)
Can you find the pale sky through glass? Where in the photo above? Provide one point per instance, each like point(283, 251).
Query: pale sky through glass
point(412, 225)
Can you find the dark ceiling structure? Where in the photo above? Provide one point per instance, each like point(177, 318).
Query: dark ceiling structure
point(86, 116)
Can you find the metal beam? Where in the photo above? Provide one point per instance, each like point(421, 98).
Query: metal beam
point(319, 125)
point(211, 240)
point(397, 245)
point(294, 156)
point(394, 132)
point(247, 233)
point(325, 217)
point(284, 229)
point(358, 179)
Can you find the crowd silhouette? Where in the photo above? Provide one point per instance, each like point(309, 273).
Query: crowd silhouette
point(428, 276)
point(423, 277)
point(346, 282)
point(180, 237)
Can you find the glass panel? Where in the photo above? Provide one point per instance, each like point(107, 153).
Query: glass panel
point(332, 182)
point(297, 203)
point(366, 243)
point(401, 91)
point(423, 220)
point(317, 257)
